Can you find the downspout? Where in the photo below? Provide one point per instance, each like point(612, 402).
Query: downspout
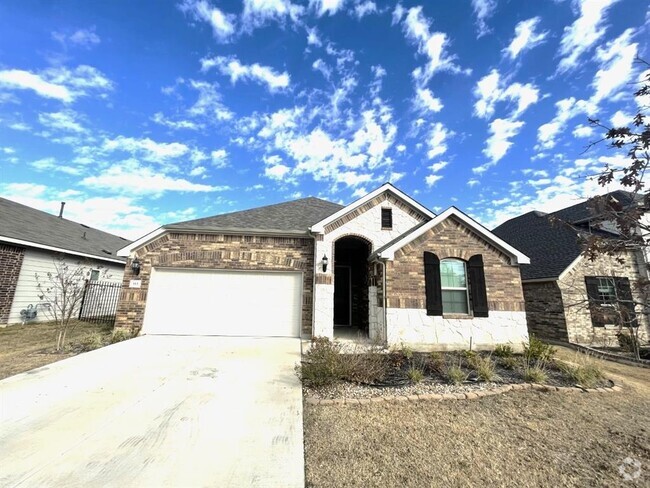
point(383, 275)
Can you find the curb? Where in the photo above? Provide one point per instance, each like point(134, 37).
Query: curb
point(472, 395)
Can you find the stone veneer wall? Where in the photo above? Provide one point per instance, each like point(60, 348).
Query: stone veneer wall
point(218, 251)
point(407, 319)
point(451, 239)
point(545, 310)
point(574, 296)
point(11, 260)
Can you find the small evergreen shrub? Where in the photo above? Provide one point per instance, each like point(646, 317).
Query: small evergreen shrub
point(535, 374)
point(121, 334)
point(538, 350)
point(456, 375)
point(322, 363)
point(416, 375)
point(508, 363)
point(485, 368)
point(585, 372)
point(503, 351)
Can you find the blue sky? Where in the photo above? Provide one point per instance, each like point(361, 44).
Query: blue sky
point(144, 113)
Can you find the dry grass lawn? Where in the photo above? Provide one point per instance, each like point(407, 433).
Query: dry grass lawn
point(25, 347)
point(523, 438)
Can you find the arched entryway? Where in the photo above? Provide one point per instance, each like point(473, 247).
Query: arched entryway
point(351, 285)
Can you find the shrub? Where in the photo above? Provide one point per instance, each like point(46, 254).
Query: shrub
point(435, 363)
point(121, 334)
point(485, 368)
point(322, 364)
point(538, 350)
point(626, 342)
point(406, 351)
point(508, 363)
point(503, 351)
point(585, 372)
point(456, 375)
point(363, 367)
point(535, 374)
point(415, 375)
point(90, 342)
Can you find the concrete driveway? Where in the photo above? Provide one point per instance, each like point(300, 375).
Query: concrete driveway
point(158, 411)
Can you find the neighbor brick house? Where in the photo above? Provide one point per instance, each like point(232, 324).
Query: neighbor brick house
point(568, 296)
point(384, 266)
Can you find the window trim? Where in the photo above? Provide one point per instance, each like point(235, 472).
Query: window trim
point(389, 212)
point(454, 288)
point(94, 270)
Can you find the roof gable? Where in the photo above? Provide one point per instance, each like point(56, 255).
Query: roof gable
point(388, 251)
point(320, 227)
point(27, 226)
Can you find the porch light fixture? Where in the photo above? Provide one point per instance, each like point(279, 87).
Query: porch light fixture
point(135, 266)
point(324, 261)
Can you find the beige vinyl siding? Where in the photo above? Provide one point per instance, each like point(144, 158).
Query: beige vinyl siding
point(43, 262)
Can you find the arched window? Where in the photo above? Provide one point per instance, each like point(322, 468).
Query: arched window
point(453, 280)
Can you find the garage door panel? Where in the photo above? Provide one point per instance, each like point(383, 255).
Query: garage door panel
point(195, 302)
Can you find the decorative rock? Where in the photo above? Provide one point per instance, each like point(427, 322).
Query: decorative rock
point(459, 396)
point(401, 399)
point(413, 398)
point(471, 396)
point(377, 399)
point(351, 401)
point(449, 396)
point(312, 401)
point(327, 402)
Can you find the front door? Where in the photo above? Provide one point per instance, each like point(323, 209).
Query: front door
point(342, 301)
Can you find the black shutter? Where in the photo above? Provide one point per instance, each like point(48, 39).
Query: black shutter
point(625, 301)
point(432, 284)
point(477, 286)
point(386, 218)
point(597, 315)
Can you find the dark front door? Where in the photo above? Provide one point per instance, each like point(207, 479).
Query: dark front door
point(342, 303)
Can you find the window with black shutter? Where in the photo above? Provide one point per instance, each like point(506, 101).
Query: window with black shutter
point(610, 301)
point(386, 218)
point(477, 286)
point(432, 288)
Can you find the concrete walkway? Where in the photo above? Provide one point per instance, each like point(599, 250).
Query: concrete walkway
point(158, 411)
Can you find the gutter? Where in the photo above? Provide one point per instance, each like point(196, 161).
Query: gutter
point(20, 242)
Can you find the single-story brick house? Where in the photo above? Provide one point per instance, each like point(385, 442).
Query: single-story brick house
point(384, 266)
point(568, 296)
point(33, 242)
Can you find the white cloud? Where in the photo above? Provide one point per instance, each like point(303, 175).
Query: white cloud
point(424, 101)
point(437, 140)
point(433, 45)
point(567, 108)
point(208, 103)
point(617, 60)
point(620, 119)
point(473, 182)
point(398, 14)
point(329, 7)
point(219, 158)
point(159, 118)
point(132, 178)
point(583, 131)
point(491, 89)
point(525, 37)
point(483, 9)
point(198, 171)
point(50, 164)
point(432, 180)
point(86, 38)
point(232, 67)
point(365, 8)
point(321, 66)
point(313, 38)
point(223, 24)
point(498, 144)
point(146, 148)
point(258, 12)
point(436, 167)
point(401, 148)
point(277, 172)
point(24, 80)
point(580, 36)
point(65, 121)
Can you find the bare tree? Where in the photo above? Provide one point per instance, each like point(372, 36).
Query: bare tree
point(61, 292)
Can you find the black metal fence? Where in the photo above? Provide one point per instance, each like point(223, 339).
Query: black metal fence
point(99, 302)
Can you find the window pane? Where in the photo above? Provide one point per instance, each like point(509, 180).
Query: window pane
point(94, 275)
point(606, 290)
point(454, 301)
point(452, 274)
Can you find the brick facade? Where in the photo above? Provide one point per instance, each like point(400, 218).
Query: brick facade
point(451, 239)
point(545, 310)
point(218, 251)
point(11, 260)
point(559, 309)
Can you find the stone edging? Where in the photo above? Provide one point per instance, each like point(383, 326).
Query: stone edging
point(458, 396)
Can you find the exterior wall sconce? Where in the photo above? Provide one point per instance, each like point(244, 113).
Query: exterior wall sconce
point(324, 262)
point(135, 266)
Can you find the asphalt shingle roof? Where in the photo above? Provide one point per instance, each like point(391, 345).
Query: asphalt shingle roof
point(19, 221)
point(294, 217)
point(548, 239)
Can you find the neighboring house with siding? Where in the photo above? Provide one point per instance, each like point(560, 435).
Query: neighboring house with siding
point(384, 267)
point(32, 242)
point(568, 296)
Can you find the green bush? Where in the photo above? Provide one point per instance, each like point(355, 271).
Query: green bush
point(538, 350)
point(585, 372)
point(535, 374)
point(122, 334)
point(90, 342)
point(416, 375)
point(485, 368)
point(322, 363)
point(503, 351)
point(508, 363)
point(456, 375)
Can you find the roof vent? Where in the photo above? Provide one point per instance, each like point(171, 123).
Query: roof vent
point(106, 252)
point(61, 210)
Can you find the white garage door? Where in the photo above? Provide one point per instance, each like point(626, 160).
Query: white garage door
point(234, 303)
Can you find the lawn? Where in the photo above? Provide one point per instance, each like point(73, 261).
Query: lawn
point(523, 438)
point(25, 347)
